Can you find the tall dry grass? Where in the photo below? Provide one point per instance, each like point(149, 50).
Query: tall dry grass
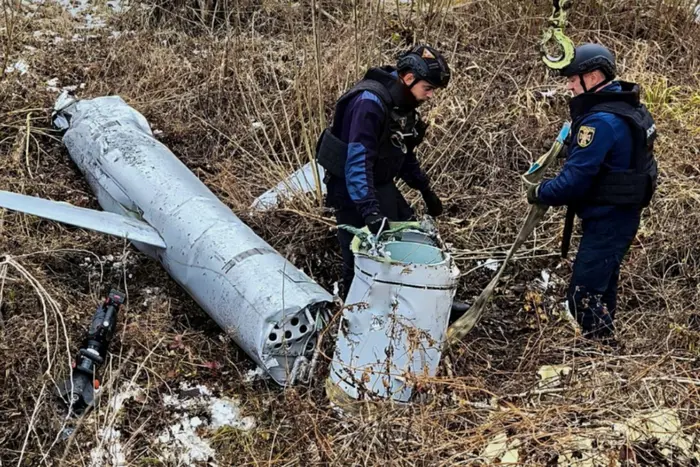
point(241, 90)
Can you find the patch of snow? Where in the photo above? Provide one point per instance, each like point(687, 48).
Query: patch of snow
point(225, 412)
point(491, 264)
point(73, 87)
point(547, 94)
point(110, 450)
point(117, 6)
point(20, 66)
point(74, 7)
point(543, 283)
point(697, 14)
point(31, 6)
point(182, 442)
point(94, 22)
point(252, 375)
point(128, 391)
point(79, 38)
point(189, 446)
point(52, 86)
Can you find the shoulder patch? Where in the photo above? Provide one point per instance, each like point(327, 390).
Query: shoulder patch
point(585, 136)
point(368, 95)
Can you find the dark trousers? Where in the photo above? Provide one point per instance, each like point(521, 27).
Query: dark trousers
point(392, 204)
point(592, 294)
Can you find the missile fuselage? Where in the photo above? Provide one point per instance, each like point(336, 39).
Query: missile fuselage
point(264, 303)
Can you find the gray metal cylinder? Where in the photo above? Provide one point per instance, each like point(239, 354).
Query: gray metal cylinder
point(263, 302)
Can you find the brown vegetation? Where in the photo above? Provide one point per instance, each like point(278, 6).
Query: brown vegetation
point(240, 90)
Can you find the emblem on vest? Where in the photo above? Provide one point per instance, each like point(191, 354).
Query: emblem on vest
point(651, 130)
point(585, 136)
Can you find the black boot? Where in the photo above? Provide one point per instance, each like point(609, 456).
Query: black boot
point(458, 309)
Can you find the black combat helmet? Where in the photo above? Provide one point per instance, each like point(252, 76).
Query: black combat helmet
point(590, 57)
point(425, 63)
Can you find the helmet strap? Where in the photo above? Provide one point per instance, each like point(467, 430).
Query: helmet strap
point(415, 80)
point(583, 83)
point(600, 85)
point(594, 88)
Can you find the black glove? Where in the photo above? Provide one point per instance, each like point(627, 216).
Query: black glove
point(432, 202)
point(533, 193)
point(374, 222)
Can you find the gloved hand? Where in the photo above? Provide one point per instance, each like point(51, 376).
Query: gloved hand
point(432, 202)
point(375, 221)
point(533, 193)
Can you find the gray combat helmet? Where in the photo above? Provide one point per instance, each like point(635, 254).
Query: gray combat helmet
point(590, 57)
point(426, 63)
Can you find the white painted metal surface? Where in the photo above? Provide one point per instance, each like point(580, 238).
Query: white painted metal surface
point(301, 181)
point(396, 318)
point(263, 302)
point(100, 221)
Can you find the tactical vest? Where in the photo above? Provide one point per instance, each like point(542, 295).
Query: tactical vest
point(402, 132)
point(636, 185)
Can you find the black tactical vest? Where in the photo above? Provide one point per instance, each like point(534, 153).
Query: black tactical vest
point(402, 130)
point(636, 185)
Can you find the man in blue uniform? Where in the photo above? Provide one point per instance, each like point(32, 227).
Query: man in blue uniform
point(372, 141)
point(609, 176)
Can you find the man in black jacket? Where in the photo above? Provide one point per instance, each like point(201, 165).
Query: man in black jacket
point(372, 141)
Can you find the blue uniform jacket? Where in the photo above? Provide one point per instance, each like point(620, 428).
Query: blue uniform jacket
point(361, 128)
point(608, 145)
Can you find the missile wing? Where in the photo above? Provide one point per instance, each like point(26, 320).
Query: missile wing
point(270, 308)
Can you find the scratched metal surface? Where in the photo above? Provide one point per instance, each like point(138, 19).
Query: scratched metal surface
point(263, 302)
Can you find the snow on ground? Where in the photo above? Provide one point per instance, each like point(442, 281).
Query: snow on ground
point(185, 441)
point(20, 66)
point(88, 15)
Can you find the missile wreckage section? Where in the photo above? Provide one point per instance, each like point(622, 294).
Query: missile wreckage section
point(396, 316)
point(395, 321)
point(264, 303)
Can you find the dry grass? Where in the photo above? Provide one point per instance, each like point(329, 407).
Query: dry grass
point(234, 86)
